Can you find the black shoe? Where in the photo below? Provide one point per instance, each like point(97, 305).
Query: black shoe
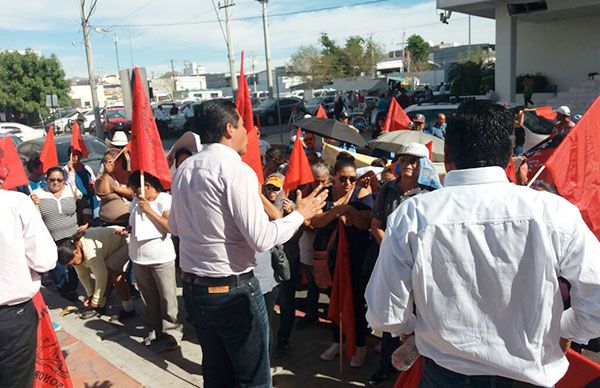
point(123, 315)
point(282, 348)
point(305, 322)
point(92, 313)
point(378, 378)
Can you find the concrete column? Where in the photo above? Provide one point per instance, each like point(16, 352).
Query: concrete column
point(506, 54)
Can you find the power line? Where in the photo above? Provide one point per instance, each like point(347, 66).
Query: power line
point(249, 17)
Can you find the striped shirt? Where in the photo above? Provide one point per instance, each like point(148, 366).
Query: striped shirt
point(59, 214)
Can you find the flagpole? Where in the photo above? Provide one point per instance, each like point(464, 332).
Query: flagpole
point(341, 304)
point(537, 174)
point(142, 188)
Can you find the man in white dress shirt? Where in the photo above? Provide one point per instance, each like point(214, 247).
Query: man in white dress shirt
point(218, 215)
point(480, 260)
point(26, 250)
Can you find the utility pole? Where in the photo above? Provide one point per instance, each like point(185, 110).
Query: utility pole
point(173, 86)
point(90, 63)
point(372, 55)
point(230, 49)
point(469, 37)
point(254, 73)
point(117, 52)
point(130, 49)
point(267, 46)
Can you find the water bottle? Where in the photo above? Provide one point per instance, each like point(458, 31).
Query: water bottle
point(405, 356)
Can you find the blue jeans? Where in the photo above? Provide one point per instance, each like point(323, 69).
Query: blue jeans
point(434, 376)
point(233, 330)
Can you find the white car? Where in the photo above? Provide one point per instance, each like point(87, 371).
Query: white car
point(21, 131)
point(536, 129)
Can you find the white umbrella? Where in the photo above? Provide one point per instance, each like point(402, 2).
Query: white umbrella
point(393, 142)
point(189, 141)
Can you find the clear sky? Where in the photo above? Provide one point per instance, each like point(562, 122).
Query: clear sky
point(161, 30)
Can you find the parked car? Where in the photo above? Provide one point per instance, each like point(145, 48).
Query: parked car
point(266, 113)
point(536, 128)
point(95, 146)
point(16, 141)
point(113, 119)
point(326, 101)
point(21, 131)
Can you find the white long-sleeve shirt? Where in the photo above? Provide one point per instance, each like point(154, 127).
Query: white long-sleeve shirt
point(26, 248)
point(218, 215)
point(480, 259)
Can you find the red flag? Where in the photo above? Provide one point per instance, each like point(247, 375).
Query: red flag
point(50, 366)
point(321, 112)
point(396, 118)
point(575, 167)
point(298, 172)
point(546, 112)
point(429, 146)
point(581, 371)
point(147, 152)
point(411, 378)
point(510, 171)
point(77, 143)
point(9, 159)
point(244, 107)
point(48, 155)
point(341, 304)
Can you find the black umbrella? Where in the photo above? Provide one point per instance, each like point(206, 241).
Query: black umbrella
point(332, 129)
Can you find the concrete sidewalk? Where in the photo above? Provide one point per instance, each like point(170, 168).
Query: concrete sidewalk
point(120, 345)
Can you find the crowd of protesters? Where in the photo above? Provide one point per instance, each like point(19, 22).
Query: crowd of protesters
point(414, 247)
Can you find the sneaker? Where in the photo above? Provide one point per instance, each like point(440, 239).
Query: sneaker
point(56, 326)
point(378, 378)
point(331, 353)
point(276, 370)
point(282, 348)
point(149, 338)
point(305, 322)
point(89, 313)
point(165, 343)
point(358, 360)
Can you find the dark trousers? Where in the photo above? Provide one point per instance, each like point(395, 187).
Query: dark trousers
point(312, 295)
point(66, 281)
point(18, 344)
point(233, 330)
point(287, 300)
point(388, 345)
point(434, 376)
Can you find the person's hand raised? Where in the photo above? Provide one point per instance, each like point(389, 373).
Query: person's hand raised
point(309, 206)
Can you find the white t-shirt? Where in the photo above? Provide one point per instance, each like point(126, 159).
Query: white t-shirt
point(150, 245)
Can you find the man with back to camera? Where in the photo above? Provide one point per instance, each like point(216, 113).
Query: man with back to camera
point(218, 215)
point(26, 250)
point(481, 258)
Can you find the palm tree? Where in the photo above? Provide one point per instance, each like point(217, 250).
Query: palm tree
point(466, 77)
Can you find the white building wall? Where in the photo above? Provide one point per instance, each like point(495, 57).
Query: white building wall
point(81, 95)
point(564, 50)
point(183, 83)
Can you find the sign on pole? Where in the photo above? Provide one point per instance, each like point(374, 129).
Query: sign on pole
point(51, 100)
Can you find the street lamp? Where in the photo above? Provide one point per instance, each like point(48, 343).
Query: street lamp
point(267, 45)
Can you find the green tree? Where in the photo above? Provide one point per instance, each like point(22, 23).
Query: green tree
point(26, 79)
point(419, 51)
point(470, 77)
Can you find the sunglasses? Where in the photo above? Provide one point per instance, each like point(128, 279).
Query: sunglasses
point(272, 188)
point(55, 180)
point(408, 160)
point(344, 179)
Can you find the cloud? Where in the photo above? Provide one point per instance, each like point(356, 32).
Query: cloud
point(204, 43)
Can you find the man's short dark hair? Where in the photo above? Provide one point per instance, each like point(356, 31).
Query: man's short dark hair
point(480, 134)
point(212, 119)
point(33, 164)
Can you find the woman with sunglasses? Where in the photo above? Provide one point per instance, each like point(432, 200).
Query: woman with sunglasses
point(351, 204)
point(61, 207)
point(412, 169)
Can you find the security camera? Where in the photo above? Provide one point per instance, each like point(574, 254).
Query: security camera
point(444, 16)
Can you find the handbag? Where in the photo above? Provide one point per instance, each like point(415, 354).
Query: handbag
point(321, 271)
point(280, 264)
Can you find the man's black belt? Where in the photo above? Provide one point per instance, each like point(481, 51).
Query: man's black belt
point(204, 281)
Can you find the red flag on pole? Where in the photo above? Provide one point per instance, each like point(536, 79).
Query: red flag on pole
point(429, 146)
point(298, 172)
point(396, 118)
point(321, 112)
point(341, 304)
point(147, 152)
point(244, 107)
point(546, 112)
point(510, 171)
point(575, 167)
point(48, 155)
point(9, 160)
point(581, 371)
point(77, 143)
point(411, 378)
